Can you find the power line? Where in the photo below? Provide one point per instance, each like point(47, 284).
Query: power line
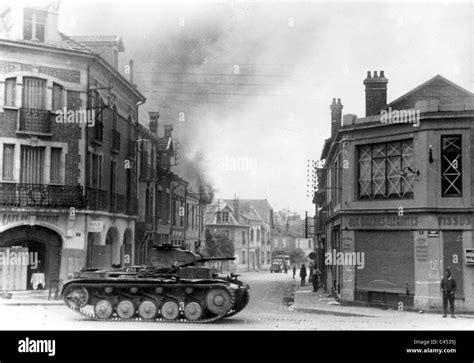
point(215, 74)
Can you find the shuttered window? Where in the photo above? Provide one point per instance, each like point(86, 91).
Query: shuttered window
point(57, 97)
point(55, 165)
point(32, 165)
point(34, 93)
point(8, 161)
point(10, 91)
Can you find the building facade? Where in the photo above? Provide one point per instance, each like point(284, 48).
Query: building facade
point(395, 196)
point(67, 190)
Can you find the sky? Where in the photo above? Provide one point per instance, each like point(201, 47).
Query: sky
point(247, 85)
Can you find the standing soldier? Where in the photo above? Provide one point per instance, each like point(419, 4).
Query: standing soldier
point(303, 274)
point(448, 288)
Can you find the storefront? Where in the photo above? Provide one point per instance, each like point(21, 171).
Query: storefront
point(403, 258)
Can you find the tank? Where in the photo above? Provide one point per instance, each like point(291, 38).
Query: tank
point(176, 286)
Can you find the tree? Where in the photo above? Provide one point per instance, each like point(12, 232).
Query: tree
point(219, 245)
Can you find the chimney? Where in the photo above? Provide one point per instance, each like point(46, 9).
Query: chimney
point(130, 64)
point(154, 116)
point(236, 209)
point(336, 115)
point(168, 130)
point(375, 93)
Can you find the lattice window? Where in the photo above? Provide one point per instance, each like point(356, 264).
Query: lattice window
point(451, 166)
point(383, 170)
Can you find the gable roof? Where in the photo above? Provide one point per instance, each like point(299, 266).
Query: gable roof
point(94, 40)
point(437, 78)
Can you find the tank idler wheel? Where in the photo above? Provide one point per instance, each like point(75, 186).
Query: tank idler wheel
point(125, 309)
point(103, 309)
point(170, 310)
point(76, 297)
point(147, 309)
point(218, 301)
point(192, 311)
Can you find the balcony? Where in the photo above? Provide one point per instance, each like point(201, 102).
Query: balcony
point(132, 206)
point(117, 204)
point(115, 138)
point(98, 199)
point(97, 132)
point(41, 196)
point(34, 120)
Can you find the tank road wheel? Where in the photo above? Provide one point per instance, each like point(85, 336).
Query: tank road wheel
point(125, 309)
point(218, 301)
point(192, 310)
point(170, 310)
point(103, 309)
point(147, 309)
point(76, 297)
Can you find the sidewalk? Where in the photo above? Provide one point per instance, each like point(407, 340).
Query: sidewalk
point(322, 303)
point(30, 297)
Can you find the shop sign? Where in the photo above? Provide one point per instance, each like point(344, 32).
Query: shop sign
point(9, 218)
point(95, 226)
point(469, 256)
point(383, 221)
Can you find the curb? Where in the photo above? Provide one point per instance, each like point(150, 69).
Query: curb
point(331, 312)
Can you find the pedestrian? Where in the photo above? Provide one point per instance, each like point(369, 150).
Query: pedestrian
point(294, 271)
point(315, 281)
point(303, 274)
point(285, 267)
point(311, 269)
point(448, 289)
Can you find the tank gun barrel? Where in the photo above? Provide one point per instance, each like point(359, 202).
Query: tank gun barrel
point(205, 259)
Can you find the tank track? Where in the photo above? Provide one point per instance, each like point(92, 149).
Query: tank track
point(93, 317)
point(241, 306)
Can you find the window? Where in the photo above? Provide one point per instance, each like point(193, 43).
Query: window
point(10, 91)
point(33, 25)
point(243, 257)
point(251, 235)
point(55, 176)
point(451, 166)
point(31, 164)
point(159, 202)
point(34, 93)
point(225, 216)
point(243, 238)
point(384, 170)
point(114, 118)
point(96, 171)
point(57, 97)
point(258, 235)
point(8, 161)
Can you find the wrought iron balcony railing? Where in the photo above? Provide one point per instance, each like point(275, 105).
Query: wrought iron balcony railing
point(35, 120)
point(132, 206)
point(41, 196)
point(98, 199)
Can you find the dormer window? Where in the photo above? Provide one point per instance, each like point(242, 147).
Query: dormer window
point(33, 25)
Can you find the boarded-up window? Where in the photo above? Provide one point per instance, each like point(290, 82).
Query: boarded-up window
point(55, 165)
point(32, 165)
point(10, 91)
point(453, 258)
point(57, 97)
point(34, 93)
point(388, 259)
point(8, 161)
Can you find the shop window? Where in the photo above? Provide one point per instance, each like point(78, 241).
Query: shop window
point(383, 171)
point(451, 166)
